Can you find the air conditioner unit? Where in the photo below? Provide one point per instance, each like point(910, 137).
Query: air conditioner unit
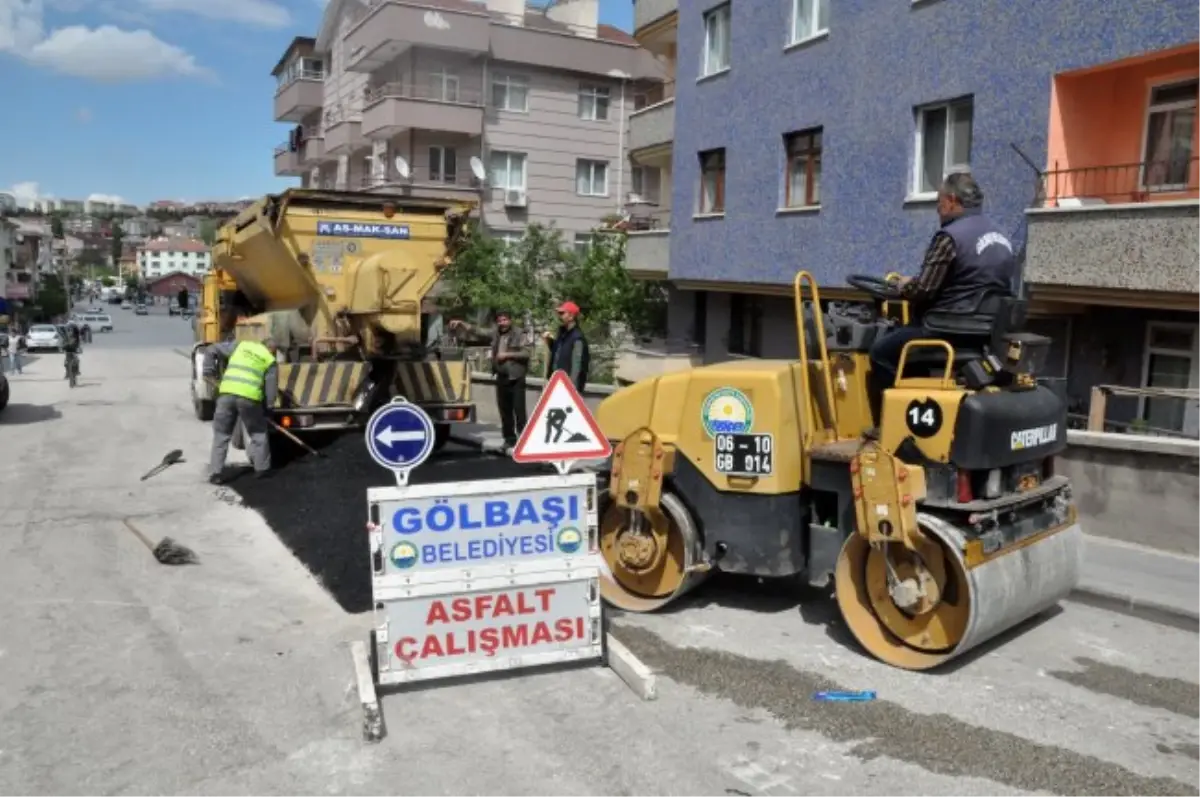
point(515, 199)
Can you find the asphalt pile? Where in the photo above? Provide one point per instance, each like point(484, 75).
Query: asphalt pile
point(318, 507)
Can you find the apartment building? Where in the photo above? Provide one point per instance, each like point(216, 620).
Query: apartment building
point(524, 110)
point(169, 255)
point(812, 134)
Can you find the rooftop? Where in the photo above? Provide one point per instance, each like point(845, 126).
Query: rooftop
point(175, 245)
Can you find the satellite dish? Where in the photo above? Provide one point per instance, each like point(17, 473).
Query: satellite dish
point(477, 168)
point(401, 167)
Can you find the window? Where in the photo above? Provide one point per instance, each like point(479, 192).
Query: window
point(712, 181)
point(943, 143)
point(508, 171)
point(443, 86)
point(510, 238)
point(443, 164)
point(716, 41)
point(591, 178)
point(583, 242)
point(745, 325)
point(1170, 131)
point(803, 179)
point(510, 93)
point(593, 103)
point(637, 182)
point(1171, 364)
point(809, 18)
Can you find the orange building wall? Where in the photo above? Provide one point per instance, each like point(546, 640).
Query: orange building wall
point(1098, 118)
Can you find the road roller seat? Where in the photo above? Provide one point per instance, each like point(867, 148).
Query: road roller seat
point(996, 321)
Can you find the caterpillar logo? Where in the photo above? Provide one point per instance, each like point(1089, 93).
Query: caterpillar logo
point(1032, 438)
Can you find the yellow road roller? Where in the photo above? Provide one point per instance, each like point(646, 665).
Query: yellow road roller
point(940, 527)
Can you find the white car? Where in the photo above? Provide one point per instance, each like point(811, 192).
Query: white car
point(126, 305)
point(43, 337)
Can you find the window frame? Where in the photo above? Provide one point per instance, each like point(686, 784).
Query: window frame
point(1193, 357)
point(813, 156)
point(590, 165)
point(918, 160)
point(718, 189)
point(445, 79)
point(1165, 107)
point(593, 94)
point(509, 155)
point(816, 32)
point(508, 82)
point(583, 242)
point(747, 308)
point(442, 149)
point(725, 10)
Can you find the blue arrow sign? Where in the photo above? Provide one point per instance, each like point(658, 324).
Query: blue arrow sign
point(400, 436)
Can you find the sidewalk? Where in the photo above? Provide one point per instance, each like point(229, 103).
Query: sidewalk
point(1132, 579)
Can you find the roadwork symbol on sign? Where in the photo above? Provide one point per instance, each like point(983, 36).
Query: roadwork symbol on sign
point(400, 437)
point(561, 429)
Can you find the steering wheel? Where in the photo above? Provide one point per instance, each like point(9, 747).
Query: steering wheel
point(876, 287)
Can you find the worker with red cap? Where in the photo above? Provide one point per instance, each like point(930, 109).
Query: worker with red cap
point(569, 348)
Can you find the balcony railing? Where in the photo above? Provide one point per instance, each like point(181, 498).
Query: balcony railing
point(1149, 181)
point(422, 176)
point(290, 77)
point(652, 97)
point(419, 88)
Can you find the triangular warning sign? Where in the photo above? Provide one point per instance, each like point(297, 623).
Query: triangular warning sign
point(561, 428)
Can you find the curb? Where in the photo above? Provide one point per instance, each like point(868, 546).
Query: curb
point(1150, 611)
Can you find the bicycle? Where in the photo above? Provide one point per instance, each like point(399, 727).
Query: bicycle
point(73, 368)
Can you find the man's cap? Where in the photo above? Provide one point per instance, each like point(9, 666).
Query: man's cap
point(569, 307)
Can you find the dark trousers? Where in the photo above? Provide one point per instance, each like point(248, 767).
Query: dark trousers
point(510, 400)
point(885, 361)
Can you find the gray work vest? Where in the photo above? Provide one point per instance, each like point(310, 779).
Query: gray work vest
point(984, 263)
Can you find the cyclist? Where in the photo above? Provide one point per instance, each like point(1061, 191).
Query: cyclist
point(71, 345)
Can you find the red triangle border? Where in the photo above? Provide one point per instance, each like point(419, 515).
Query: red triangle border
point(538, 411)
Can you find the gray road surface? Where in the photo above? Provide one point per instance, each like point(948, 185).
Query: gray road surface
point(123, 676)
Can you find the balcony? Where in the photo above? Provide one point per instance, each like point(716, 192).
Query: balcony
point(300, 96)
point(389, 28)
point(287, 163)
point(647, 12)
point(343, 131)
point(312, 148)
point(1116, 206)
point(421, 182)
point(654, 125)
point(648, 245)
point(395, 107)
point(1125, 227)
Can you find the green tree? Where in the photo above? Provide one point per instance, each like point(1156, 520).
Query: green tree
point(208, 231)
point(56, 226)
point(107, 282)
point(131, 282)
point(118, 242)
point(51, 298)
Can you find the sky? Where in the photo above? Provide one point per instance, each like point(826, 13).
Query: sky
point(150, 99)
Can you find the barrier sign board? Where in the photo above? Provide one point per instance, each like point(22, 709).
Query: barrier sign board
point(435, 531)
point(495, 625)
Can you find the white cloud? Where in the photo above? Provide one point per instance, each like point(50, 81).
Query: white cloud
point(264, 13)
point(105, 53)
point(27, 193)
point(110, 198)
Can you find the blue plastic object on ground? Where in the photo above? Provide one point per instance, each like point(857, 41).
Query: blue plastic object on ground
point(846, 697)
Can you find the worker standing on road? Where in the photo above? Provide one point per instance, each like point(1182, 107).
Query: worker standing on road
point(249, 385)
point(569, 348)
point(510, 365)
point(72, 343)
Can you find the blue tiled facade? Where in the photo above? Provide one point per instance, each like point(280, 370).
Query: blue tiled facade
point(861, 83)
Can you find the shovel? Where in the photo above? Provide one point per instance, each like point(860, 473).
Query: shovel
point(170, 459)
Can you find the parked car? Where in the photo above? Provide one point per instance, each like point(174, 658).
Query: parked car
point(99, 321)
point(141, 310)
point(126, 305)
point(44, 337)
point(173, 308)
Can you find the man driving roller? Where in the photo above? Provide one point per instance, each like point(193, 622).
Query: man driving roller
point(968, 259)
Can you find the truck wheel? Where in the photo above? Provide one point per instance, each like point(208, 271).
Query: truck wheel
point(205, 409)
point(3, 392)
point(441, 436)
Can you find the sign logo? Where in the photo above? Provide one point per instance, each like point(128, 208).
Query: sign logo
point(354, 229)
point(727, 410)
point(1032, 438)
point(569, 540)
point(404, 554)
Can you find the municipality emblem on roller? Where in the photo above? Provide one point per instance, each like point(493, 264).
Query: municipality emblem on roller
point(404, 554)
point(727, 411)
point(569, 540)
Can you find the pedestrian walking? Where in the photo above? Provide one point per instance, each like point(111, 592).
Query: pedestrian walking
point(248, 388)
point(510, 366)
point(569, 349)
point(16, 349)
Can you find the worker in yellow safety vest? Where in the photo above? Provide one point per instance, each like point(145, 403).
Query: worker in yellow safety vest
point(247, 391)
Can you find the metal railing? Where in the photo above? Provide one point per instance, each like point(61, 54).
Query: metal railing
point(1147, 181)
point(423, 176)
point(418, 87)
point(292, 76)
point(646, 220)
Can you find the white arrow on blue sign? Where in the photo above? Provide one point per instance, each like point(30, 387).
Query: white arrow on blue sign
point(400, 436)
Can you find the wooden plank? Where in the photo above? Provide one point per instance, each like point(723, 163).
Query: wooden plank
point(1097, 409)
